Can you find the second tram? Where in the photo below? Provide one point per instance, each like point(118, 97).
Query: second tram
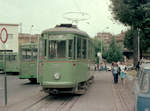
point(28, 61)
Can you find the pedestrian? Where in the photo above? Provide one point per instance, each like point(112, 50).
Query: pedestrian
point(138, 66)
point(115, 72)
point(105, 66)
point(122, 72)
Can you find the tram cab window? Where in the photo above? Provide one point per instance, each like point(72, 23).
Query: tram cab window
point(57, 49)
point(61, 49)
point(52, 49)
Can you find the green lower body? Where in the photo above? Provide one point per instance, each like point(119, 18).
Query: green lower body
point(71, 77)
point(27, 76)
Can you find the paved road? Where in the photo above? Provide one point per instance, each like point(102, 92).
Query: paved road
point(102, 95)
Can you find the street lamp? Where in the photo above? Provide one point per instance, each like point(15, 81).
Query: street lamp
point(31, 33)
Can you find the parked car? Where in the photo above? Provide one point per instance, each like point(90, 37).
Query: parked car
point(142, 89)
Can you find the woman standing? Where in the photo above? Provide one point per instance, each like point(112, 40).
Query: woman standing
point(115, 72)
point(122, 72)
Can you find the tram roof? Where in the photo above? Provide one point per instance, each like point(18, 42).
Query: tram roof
point(72, 30)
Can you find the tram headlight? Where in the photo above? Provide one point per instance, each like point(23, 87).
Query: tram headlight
point(57, 76)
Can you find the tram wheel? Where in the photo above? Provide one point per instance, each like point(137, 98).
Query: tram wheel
point(33, 80)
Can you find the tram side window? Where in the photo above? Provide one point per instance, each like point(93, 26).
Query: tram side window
point(29, 54)
point(34, 53)
point(84, 49)
point(70, 48)
point(78, 47)
point(24, 54)
point(7, 57)
point(12, 57)
point(1, 57)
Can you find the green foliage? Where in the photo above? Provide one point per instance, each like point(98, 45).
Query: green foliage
point(130, 12)
point(97, 44)
point(114, 52)
point(144, 40)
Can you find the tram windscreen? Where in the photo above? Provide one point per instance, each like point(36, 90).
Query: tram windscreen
point(57, 49)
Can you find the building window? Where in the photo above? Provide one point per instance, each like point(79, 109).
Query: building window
point(10, 36)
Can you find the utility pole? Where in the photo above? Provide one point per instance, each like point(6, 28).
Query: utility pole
point(138, 44)
point(102, 39)
point(21, 27)
point(30, 40)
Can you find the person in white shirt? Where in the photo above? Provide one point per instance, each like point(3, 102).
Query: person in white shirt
point(122, 72)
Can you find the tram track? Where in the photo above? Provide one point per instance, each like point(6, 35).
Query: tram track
point(123, 98)
point(55, 103)
point(120, 101)
point(33, 104)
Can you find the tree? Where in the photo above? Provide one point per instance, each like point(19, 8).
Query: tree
point(114, 52)
point(97, 44)
point(144, 40)
point(134, 13)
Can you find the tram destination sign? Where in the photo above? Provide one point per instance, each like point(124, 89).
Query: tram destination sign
point(4, 35)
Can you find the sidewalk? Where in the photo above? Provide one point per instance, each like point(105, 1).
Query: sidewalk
point(103, 95)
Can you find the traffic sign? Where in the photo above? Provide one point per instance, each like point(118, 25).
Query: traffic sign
point(4, 35)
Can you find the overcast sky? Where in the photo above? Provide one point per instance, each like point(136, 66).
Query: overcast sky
point(45, 14)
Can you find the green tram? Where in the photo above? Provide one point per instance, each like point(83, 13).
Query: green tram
point(28, 61)
point(66, 54)
point(12, 61)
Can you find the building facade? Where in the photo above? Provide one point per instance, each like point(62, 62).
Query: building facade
point(27, 38)
point(12, 41)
